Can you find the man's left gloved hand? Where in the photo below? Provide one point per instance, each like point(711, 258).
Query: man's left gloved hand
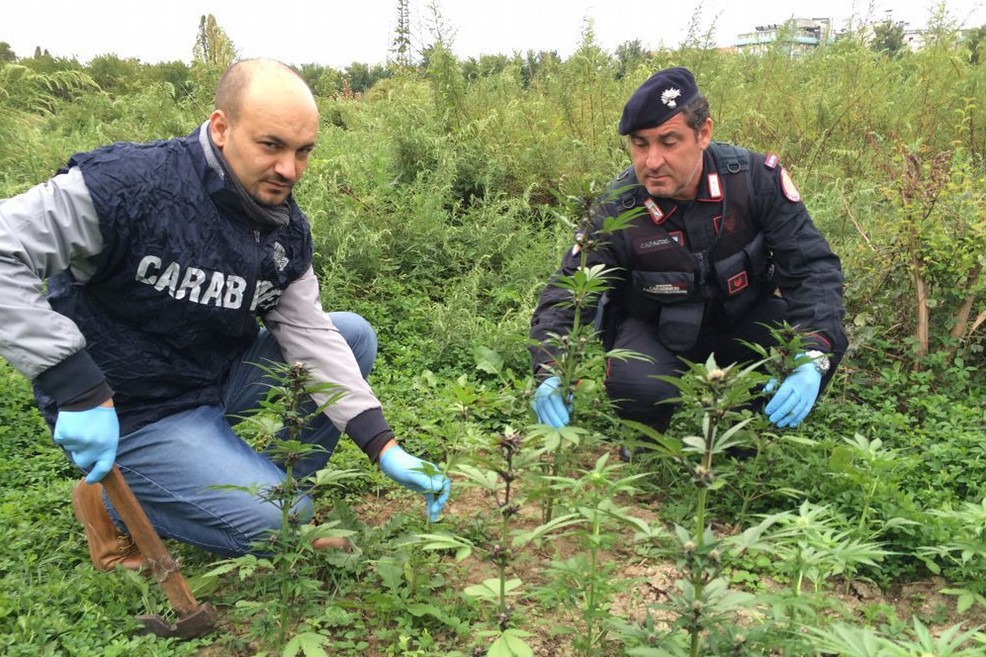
point(406, 470)
point(796, 396)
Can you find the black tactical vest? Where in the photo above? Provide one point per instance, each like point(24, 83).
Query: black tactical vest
point(691, 262)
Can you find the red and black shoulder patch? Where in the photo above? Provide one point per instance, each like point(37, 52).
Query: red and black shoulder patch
point(771, 161)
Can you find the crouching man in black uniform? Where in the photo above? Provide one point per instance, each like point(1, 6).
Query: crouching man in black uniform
point(724, 245)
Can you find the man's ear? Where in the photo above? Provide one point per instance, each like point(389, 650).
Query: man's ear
point(705, 134)
point(218, 127)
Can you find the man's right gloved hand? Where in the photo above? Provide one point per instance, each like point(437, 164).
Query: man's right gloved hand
point(548, 404)
point(91, 437)
point(406, 470)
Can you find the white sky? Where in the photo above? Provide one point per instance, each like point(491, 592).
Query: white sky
point(337, 33)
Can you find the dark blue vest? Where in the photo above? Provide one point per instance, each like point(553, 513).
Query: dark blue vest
point(182, 278)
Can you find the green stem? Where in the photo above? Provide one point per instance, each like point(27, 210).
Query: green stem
point(566, 375)
point(700, 517)
point(285, 577)
point(502, 565)
point(703, 491)
point(867, 500)
point(696, 573)
point(505, 531)
point(796, 583)
point(590, 607)
point(548, 509)
point(752, 495)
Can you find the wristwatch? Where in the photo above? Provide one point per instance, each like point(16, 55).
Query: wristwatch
point(822, 362)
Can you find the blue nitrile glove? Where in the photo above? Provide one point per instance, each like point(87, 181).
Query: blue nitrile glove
point(549, 406)
point(406, 470)
point(796, 396)
point(91, 437)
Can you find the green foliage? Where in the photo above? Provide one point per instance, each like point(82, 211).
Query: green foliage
point(360, 78)
point(213, 48)
point(288, 566)
point(976, 42)
point(864, 642)
point(888, 38)
point(322, 80)
point(964, 552)
point(441, 199)
point(815, 545)
point(113, 74)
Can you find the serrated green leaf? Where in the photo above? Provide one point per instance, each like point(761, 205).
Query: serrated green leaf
point(462, 546)
point(552, 526)
point(695, 442)
point(490, 588)
point(485, 479)
point(308, 643)
point(511, 644)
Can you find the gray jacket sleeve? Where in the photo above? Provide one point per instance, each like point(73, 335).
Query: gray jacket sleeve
point(306, 334)
point(46, 230)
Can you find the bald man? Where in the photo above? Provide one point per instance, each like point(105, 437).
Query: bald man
point(159, 260)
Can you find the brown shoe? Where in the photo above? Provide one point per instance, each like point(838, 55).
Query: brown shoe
point(108, 546)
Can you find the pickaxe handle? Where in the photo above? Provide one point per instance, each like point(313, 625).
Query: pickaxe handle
point(163, 566)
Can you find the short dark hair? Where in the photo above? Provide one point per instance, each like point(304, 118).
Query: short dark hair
point(696, 112)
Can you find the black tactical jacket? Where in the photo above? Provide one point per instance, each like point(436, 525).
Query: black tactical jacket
point(684, 265)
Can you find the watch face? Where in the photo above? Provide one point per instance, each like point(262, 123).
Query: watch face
point(822, 362)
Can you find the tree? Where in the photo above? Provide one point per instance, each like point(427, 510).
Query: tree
point(6, 53)
point(360, 77)
point(629, 55)
point(114, 74)
point(442, 34)
point(212, 46)
point(43, 62)
point(322, 80)
point(534, 62)
point(975, 39)
point(402, 35)
point(888, 38)
point(178, 74)
point(484, 67)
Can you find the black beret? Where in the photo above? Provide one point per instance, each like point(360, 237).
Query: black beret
point(662, 96)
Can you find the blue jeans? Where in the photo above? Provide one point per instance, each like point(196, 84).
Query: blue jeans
point(174, 464)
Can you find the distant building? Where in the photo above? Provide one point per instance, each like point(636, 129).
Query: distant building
point(801, 35)
point(914, 39)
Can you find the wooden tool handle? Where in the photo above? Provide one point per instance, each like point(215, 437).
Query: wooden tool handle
point(165, 568)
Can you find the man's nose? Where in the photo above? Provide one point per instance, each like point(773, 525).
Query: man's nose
point(287, 167)
point(655, 157)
